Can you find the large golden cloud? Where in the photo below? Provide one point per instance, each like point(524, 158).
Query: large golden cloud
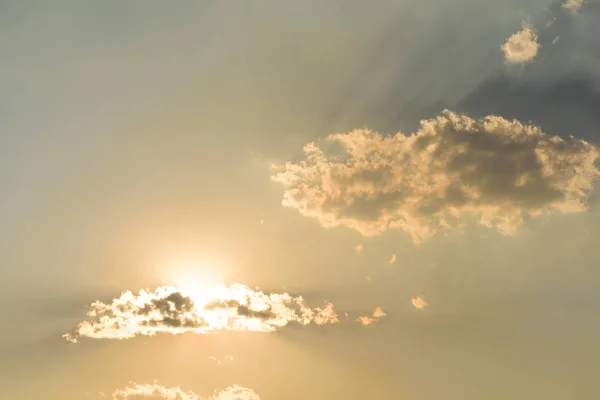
point(496, 170)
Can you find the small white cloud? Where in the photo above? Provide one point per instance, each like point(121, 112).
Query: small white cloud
point(359, 249)
point(419, 303)
point(366, 320)
point(573, 5)
point(392, 259)
point(522, 47)
point(555, 40)
point(377, 315)
point(70, 338)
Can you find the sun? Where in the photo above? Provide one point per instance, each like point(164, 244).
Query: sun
point(194, 277)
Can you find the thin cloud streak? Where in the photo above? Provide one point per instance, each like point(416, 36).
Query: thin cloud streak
point(155, 390)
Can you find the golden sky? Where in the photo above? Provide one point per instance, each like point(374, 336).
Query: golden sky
point(320, 200)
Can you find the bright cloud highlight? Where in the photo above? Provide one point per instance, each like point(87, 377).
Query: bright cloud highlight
point(156, 391)
point(498, 171)
point(175, 311)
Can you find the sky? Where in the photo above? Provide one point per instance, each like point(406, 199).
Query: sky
point(393, 199)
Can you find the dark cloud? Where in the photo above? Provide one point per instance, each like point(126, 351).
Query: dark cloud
point(561, 91)
point(567, 106)
point(173, 304)
point(245, 311)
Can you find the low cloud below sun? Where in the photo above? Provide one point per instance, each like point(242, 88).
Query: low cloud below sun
point(172, 310)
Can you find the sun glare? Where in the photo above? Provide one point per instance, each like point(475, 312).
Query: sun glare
point(195, 278)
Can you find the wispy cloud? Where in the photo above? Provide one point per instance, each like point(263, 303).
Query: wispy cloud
point(419, 302)
point(156, 391)
point(219, 361)
point(368, 320)
point(392, 259)
point(175, 311)
point(493, 169)
point(359, 249)
point(521, 47)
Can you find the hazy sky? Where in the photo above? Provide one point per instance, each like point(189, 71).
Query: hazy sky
point(278, 145)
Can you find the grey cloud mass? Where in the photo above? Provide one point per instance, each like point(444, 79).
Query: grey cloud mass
point(567, 105)
point(496, 170)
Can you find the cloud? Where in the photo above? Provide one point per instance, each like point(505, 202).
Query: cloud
point(419, 303)
point(156, 391)
point(392, 259)
point(568, 103)
point(493, 169)
point(377, 314)
point(236, 393)
point(359, 249)
point(573, 5)
point(321, 316)
point(220, 361)
point(521, 47)
point(171, 310)
point(366, 320)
